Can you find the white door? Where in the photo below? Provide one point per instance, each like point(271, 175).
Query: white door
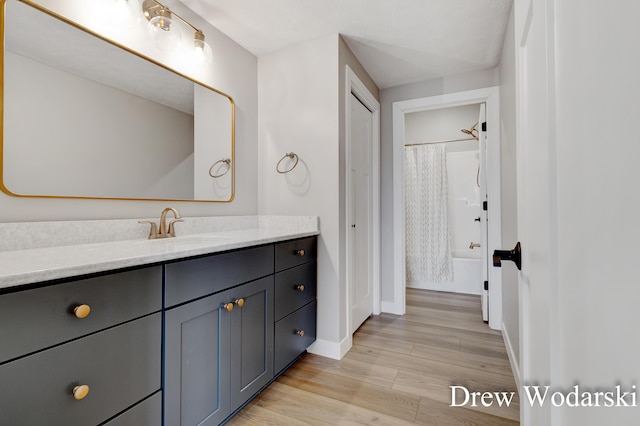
point(484, 241)
point(535, 203)
point(360, 209)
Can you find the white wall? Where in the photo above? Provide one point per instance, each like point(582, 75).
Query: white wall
point(597, 152)
point(508, 186)
point(233, 71)
point(301, 110)
point(298, 99)
point(464, 204)
point(452, 84)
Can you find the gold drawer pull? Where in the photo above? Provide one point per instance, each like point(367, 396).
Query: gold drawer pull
point(299, 252)
point(300, 333)
point(300, 287)
point(79, 392)
point(239, 302)
point(228, 306)
point(81, 311)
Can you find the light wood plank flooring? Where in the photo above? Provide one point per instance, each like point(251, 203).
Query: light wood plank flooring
point(398, 372)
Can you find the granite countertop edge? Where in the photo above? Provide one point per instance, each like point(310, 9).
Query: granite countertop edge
point(22, 267)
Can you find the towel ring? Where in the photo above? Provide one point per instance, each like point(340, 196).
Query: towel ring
point(227, 161)
point(291, 156)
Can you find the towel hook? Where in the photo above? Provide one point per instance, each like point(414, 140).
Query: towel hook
point(291, 156)
point(227, 161)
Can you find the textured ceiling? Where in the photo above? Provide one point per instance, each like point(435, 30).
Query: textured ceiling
point(397, 41)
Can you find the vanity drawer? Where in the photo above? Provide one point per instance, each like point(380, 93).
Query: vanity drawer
point(147, 413)
point(191, 279)
point(120, 365)
point(295, 288)
point(35, 319)
point(289, 344)
point(295, 252)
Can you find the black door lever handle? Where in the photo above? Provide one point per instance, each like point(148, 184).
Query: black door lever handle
point(514, 255)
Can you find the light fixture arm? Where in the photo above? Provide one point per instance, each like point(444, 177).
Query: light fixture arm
point(150, 5)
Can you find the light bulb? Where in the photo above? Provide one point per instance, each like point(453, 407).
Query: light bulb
point(161, 28)
point(202, 51)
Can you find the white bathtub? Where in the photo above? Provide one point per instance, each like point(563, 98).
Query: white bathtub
point(467, 278)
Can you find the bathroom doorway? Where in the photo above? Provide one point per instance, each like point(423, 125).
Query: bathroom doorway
point(473, 203)
point(444, 194)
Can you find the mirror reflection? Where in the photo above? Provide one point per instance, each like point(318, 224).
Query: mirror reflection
point(85, 118)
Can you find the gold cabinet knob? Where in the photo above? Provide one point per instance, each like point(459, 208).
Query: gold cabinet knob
point(300, 287)
point(300, 333)
point(300, 252)
point(81, 311)
point(228, 306)
point(239, 302)
point(80, 391)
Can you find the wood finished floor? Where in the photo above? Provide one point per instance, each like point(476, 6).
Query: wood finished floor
point(398, 372)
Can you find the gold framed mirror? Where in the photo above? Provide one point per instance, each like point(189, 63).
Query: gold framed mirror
point(86, 117)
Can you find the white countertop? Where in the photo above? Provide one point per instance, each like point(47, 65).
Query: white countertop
point(18, 267)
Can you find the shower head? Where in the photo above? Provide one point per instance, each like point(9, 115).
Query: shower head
point(473, 131)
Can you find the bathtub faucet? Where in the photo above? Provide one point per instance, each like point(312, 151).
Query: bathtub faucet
point(474, 245)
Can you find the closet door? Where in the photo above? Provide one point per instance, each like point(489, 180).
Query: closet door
point(360, 210)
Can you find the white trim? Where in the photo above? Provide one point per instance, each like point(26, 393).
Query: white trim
point(330, 349)
point(490, 96)
point(512, 356)
point(354, 85)
point(392, 307)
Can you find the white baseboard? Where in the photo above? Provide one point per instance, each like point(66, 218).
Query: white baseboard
point(391, 308)
point(512, 357)
point(330, 349)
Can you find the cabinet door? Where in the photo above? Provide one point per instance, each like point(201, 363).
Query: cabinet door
point(197, 362)
point(251, 339)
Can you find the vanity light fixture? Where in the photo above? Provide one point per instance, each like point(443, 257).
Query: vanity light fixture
point(124, 15)
point(161, 22)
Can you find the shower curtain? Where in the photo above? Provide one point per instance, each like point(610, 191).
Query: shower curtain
point(428, 247)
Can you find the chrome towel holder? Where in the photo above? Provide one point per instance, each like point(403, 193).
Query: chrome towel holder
point(227, 161)
point(291, 156)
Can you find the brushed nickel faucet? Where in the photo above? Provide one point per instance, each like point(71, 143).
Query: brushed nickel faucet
point(163, 231)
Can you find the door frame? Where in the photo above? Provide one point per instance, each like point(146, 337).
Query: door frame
point(354, 85)
point(490, 96)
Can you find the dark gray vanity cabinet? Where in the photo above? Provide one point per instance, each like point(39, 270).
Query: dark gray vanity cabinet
point(232, 321)
point(295, 300)
point(57, 368)
point(218, 348)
